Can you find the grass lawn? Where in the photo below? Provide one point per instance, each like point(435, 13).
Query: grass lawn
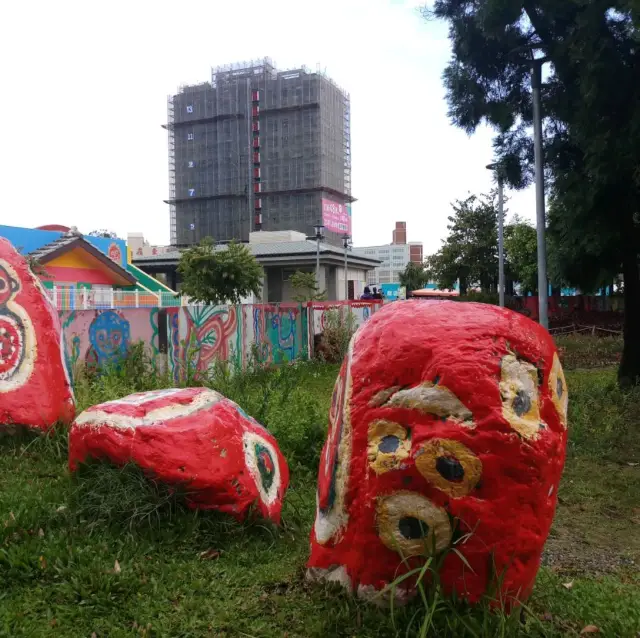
point(113, 555)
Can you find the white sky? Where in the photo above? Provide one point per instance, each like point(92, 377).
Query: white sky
point(84, 88)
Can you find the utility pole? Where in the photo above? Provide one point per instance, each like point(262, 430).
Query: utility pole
point(499, 174)
point(319, 236)
point(346, 242)
point(543, 302)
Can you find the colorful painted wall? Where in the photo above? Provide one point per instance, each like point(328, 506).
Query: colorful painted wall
point(97, 338)
point(262, 333)
point(193, 337)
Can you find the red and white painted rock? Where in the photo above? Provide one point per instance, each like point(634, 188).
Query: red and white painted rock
point(194, 437)
point(34, 385)
point(447, 429)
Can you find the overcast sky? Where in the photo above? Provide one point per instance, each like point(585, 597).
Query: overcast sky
point(84, 89)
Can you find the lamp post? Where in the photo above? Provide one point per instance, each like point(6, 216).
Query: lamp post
point(319, 236)
point(536, 81)
point(497, 168)
point(346, 243)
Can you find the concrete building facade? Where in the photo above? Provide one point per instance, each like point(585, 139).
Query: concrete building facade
point(394, 257)
point(259, 149)
point(281, 254)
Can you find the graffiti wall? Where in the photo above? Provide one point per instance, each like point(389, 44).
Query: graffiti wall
point(97, 338)
point(360, 310)
point(262, 333)
point(194, 337)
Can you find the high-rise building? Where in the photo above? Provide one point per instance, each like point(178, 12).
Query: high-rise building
point(259, 149)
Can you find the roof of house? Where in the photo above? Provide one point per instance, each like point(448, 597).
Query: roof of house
point(70, 241)
point(273, 250)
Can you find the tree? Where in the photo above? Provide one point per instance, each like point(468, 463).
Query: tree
point(469, 254)
point(414, 276)
point(521, 254)
point(591, 102)
point(222, 274)
point(107, 234)
point(306, 287)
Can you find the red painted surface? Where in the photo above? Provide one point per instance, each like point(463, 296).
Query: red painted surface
point(73, 275)
point(441, 376)
point(34, 386)
point(56, 227)
point(195, 437)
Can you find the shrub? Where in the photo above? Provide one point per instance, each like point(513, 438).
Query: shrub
point(339, 327)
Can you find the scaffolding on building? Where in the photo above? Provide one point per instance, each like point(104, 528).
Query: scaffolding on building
point(237, 163)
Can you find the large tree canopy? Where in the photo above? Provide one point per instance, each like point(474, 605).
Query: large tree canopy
point(469, 254)
point(591, 105)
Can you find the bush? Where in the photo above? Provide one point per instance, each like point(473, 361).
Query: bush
point(339, 327)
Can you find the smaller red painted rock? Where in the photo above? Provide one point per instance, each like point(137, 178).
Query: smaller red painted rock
point(193, 437)
point(35, 390)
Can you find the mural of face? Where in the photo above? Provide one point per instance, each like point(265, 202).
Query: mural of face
point(447, 428)
point(109, 337)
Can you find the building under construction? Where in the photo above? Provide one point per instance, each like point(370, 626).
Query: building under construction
point(259, 149)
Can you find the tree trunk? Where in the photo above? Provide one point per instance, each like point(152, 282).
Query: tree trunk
point(629, 371)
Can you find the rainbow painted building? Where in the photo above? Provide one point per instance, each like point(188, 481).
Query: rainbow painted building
point(69, 261)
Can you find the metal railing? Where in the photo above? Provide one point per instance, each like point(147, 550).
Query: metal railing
point(71, 298)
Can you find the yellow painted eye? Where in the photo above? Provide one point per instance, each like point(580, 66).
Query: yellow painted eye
point(520, 401)
point(412, 525)
point(558, 388)
point(450, 466)
point(389, 445)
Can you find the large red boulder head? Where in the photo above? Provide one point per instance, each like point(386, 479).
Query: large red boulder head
point(35, 390)
point(447, 430)
point(192, 437)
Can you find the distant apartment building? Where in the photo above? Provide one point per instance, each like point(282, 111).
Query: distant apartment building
point(394, 257)
point(255, 149)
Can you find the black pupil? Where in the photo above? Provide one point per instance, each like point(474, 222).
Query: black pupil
point(412, 528)
point(559, 387)
point(522, 403)
point(389, 444)
point(449, 468)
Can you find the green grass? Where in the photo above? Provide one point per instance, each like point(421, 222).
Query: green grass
point(180, 573)
point(582, 350)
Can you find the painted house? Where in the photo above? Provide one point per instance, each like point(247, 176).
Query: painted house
point(81, 268)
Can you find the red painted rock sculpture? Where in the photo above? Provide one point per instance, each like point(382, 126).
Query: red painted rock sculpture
point(447, 429)
point(34, 385)
point(194, 437)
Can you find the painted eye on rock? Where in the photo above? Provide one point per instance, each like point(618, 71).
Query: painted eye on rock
point(412, 525)
point(558, 389)
point(449, 465)
point(262, 461)
point(389, 445)
point(519, 391)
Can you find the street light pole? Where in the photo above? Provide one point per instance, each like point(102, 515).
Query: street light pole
point(536, 81)
point(498, 169)
point(319, 228)
point(345, 242)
